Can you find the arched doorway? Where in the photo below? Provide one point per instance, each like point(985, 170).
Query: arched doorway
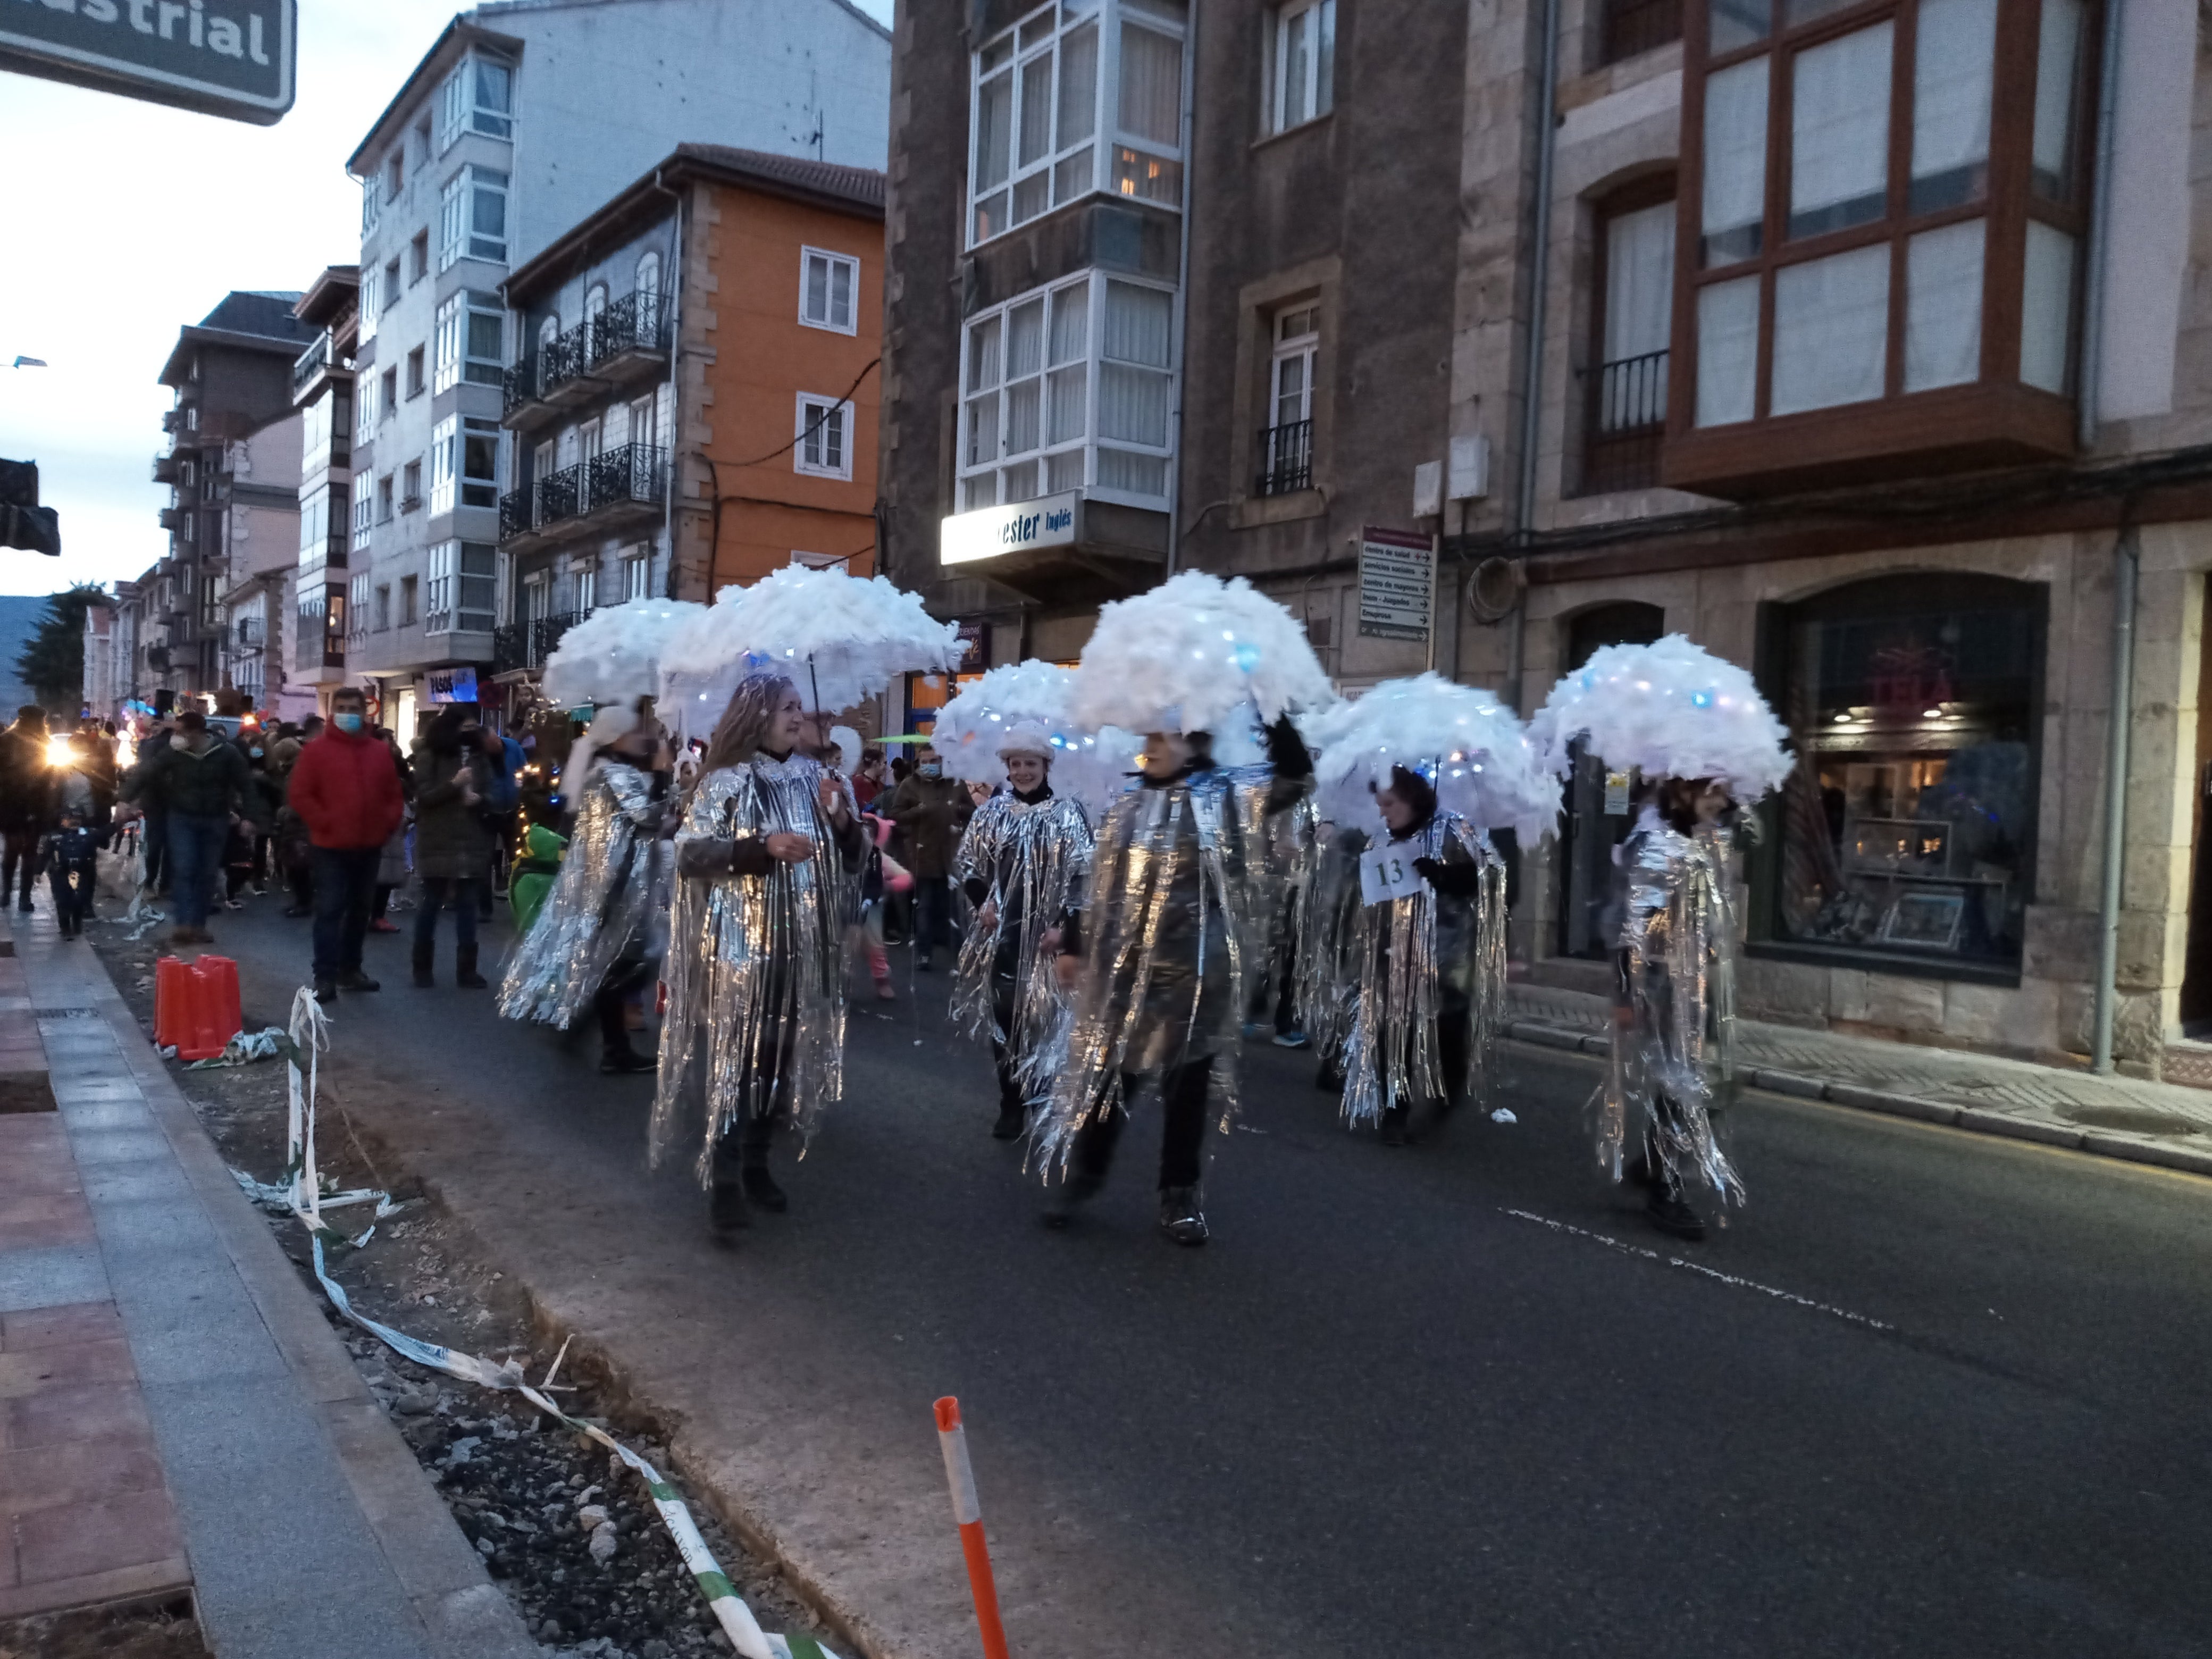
point(1596, 818)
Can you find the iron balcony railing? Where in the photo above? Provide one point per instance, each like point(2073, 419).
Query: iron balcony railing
point(515, 517)
point(1627, 424)
point(636, 322)
point(527, 644)
point(633, 472)
point(314, 361)
point(1285, 459)
point(560, 495)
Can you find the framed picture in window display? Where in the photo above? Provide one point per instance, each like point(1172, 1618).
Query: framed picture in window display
point(1908, 828)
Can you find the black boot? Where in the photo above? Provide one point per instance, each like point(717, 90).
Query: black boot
point(1180, 1218)
point(425, 957)
point(464, 969)
point(354, 980)
point(326, 991)
point(1667, 1210)
point(761, 1188)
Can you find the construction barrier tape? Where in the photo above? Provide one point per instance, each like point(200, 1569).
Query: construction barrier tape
point(300, 1194)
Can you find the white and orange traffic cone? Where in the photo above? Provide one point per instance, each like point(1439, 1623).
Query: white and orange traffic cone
point(969, 1516)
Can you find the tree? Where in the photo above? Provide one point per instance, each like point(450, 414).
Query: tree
point(52, 663)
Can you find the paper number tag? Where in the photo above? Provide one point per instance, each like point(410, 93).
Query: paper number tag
point(1386, 874)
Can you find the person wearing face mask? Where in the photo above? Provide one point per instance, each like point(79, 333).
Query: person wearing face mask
point(599, 933)
point(1022, 864)
point(345, 790)
point(453, 845)
point(932, 810)
point(755, 1032)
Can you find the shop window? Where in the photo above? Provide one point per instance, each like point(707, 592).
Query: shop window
point(1927, 161)
point(1907, 831)
point(1632, 312)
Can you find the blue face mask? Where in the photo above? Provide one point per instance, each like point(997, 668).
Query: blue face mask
point(346, 722)
point(932, 769)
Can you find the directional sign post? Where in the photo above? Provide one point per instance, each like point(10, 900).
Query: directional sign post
point(229, 57)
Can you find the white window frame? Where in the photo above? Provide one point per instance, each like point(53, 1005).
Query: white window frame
point(445, 445)
point(461, 109)
point(813, 407)
point(458, 237)
point(477, 426)
point(453, 362)
point(365, 305)
point(1317, 97)
point(637, 575)
point(372, 192)
point(831, 264)
point(457, 571)
point(364, 510)
point(1302, 348)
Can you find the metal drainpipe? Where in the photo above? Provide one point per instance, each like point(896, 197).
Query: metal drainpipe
point(1532, 388)
point(675, 388)
point(1183, 282)
point(2125, 567)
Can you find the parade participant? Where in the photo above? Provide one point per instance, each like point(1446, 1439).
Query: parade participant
point(1705, 744)
point(756, 1021)
point(1022, 864)
point(1156, 954)
point(597, 936)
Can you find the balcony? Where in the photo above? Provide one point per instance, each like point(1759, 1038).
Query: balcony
point(1627, 425)
point(524, 646)
point(628, 339)
point(166, 468)
point(627, 342)
point(311, 366)
point(626, 485)
point(173, 518)
point(1285, 459)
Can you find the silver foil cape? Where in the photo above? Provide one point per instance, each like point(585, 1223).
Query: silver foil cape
point(1178, 880)
point(1672, 1063)
point(1406, 965)
point(756, 966)
point(606, 900)
point(1035, 858)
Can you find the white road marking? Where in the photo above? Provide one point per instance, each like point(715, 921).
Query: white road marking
point(1700, 1267)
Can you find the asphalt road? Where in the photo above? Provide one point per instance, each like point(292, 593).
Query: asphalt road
point(1932, 1393)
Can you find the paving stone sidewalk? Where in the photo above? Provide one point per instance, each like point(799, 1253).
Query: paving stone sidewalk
point(2113, 1117)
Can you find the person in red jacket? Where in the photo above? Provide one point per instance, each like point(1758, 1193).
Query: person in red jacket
point(345, 788)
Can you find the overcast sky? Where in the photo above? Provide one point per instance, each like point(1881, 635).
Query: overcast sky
point(126, 221)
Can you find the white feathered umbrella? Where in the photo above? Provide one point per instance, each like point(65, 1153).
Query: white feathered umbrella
point(1468, 744)
point(839, 639)
point(613, 655)
point(1669, 709)
point(1190, 653)
point(1091, 766)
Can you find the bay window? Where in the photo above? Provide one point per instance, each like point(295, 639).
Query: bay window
point(470, 340)
point(464, 463)
point(1925, 164)
point(1065, 388)
point(478, 97)
point(463, 590)
point(1039, 92)
point(472, 217)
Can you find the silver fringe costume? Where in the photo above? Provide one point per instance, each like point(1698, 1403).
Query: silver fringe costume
point(606, 902)
point(756, 964)
point(1327, 970)
point(1414, 965)
point(1035, 858)
point(1672, 1064)
point(1176, 880)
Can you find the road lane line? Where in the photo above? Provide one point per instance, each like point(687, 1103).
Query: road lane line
point(1736, 1279)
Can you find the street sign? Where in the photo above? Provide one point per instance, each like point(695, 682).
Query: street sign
point(1397, 583)
point(229, 57)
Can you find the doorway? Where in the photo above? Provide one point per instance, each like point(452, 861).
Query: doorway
point(2196, 965)
point(1597, 816)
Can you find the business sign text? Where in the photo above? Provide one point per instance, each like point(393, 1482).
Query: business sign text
point(989, 531)
point(228, 57)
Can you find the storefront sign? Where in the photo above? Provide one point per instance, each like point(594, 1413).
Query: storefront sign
point(974, 647)
point(452, 684)
point(227, 58)
point(1397, 583)
point(1385, 873)
point(1616, 794)
point(989, 531)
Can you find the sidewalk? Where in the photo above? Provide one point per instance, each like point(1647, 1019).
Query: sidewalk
point(176, 1414)
point(2111, 1116)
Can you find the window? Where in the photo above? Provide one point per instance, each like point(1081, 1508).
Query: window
point(1632, 319)
point(361, 520)
point(470, 340)
point(1301, 63)
point(409, 588)
point(637, 576)
point(1286, 441)
point(463, 591)
point(368, 203)
point(472, 217)
point(391, 286)
point(414, 384)
point(478, 97)
point(411, 486)
point(648, 275)
point(391, 395)
point(827, 284)
point(384, 499)
point(383, 612)
point(824, 435)
point(1634, 26)
point(1863, 272)
point(1909, 825)
point(585, 580)
point(368, 308)
point(418, 257)
point(445, 441)
point(395, 172)
point(1039, 94)
point(464, 458)
point(643, 429)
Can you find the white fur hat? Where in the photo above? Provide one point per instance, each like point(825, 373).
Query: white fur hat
point(1025, 738)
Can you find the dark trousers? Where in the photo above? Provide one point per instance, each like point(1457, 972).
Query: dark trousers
point(156, 829)
point(611, 1005)
point(933, 912)
point(437, 891)
point(301, 879)
point(1183, 1100)
point(196, 844)
point(72, 886)
point(19, 848)
point(743, 1145)
point(344, 883)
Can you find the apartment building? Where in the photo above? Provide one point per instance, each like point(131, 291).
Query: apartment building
point(1863, 341)
point(323, 392)
point(696, 393)
point(522, 120)
point(207, 620)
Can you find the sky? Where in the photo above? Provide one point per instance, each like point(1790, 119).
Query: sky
point(127, 221)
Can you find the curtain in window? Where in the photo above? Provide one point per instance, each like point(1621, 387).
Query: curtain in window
point(1065, 396)
point(995, 118)
point(1639, 282)
point(1078, 85)
point(1037, 109)
point(1294, 49)
point(2046, 307)
point(1138, 321)
point(1727, 351)
point(1831, 329)
point(1132, 406)
point(1943, 305)
point(1133, 402)
point(1839, 131)
point(1953, 62)
point(1151, 86)
point(2057, 66)
point(1025, 339)
point(1735, 161)
point(983, 355)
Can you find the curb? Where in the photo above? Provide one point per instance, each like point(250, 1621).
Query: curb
point(1975, 1120)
